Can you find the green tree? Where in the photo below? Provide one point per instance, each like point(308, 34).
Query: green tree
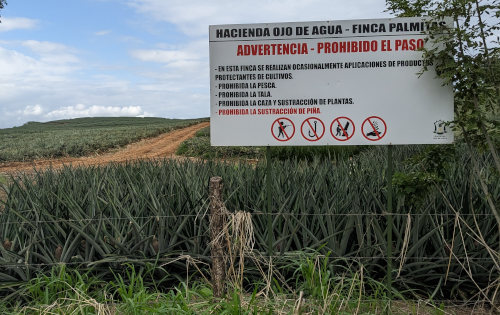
point(468, 57)
point(2, 4)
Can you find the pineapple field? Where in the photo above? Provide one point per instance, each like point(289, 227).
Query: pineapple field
point(328, 230)
point(81, 136)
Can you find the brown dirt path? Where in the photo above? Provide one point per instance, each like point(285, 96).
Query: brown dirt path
point(162, 146)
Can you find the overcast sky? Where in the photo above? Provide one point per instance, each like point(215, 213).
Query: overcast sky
point(79, 58)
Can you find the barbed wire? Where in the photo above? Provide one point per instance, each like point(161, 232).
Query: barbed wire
point(124, 260)
point(157, 217)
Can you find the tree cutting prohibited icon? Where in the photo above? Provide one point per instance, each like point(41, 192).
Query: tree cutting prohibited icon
point(282, 129)
point(312, 129)
point(342, 128)
point(374, 128)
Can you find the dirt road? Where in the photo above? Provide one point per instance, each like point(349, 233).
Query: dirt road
point(162, 146)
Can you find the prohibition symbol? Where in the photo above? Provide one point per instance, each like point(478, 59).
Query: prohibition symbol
point(374, 128)
point(342, 128)
point(312, 129)
point(282, 129)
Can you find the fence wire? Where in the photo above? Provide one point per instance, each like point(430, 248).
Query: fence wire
point(250, 255)
point(157, 217)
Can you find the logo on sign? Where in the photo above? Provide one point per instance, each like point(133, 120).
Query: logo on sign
point(342, 128)
point(312, 129)
point(440, 130)
point(440, 127)
point(283, 129)
point(374, 128)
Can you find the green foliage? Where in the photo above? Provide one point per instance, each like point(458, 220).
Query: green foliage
point(414, 186)
point(111, 215)
point(408, 8)
point(131, 286)
point(66, 290)
point(205, 132)
point(199, 146)
point(81, 136)
point(62, 284)
point(134, 296)
point(424, 170)
point(3, 179)
point(68, 293)
point(311, 153)
point(315, 277)
point(344, 284)
point(466, 56)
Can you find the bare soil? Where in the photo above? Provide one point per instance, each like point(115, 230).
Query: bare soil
point(163, 146)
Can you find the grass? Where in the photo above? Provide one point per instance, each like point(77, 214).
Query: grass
point(81, 136)
point(3, 179)
point(64, 291)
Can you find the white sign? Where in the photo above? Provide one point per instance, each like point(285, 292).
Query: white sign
point(325, 83)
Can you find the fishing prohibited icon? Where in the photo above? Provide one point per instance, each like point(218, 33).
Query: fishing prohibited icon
point(342, 128)
point(312, 129)
point(282, 129)
point(374, 128)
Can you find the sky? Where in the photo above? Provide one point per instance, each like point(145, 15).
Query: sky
point(87, 58)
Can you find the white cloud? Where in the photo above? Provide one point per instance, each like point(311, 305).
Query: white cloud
point(47, 74)
point(52, 53)
point(82, 110)
point(32, 110)
point(194, 16)
point(13, 63)
point(28, 76)
point(48, 62)
point(189, 60)
point(164, 56)
point(10, 24)
point(102, 32)
point(45, 47)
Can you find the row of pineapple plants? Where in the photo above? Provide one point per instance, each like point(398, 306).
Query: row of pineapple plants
point(445, 237)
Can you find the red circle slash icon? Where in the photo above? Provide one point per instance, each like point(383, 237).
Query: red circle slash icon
point(312, 129)
point(283, 129)
point(344, 128)
point(374, 128)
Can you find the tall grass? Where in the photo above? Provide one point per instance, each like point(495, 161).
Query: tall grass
point(67, 291)
point(445, 247)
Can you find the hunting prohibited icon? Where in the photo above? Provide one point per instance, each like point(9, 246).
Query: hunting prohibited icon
point(312, 129)
point(374, 128)
point(342, 128)
point(282, 129)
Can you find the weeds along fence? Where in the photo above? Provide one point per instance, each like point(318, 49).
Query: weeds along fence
point(445, 246)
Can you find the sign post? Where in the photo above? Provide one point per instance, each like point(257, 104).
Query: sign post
point(269, 202)
point(276, 84)
point(389, 219)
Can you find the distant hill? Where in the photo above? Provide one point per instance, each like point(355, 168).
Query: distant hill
point(93, 122)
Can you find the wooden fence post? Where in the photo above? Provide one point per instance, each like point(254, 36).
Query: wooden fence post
point(217, 221)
